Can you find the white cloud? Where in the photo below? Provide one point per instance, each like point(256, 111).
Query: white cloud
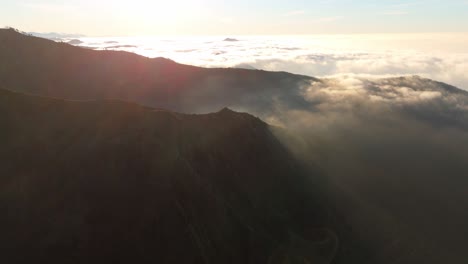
point(395, 13)
point(403, 5)
point(294, 13)
point(329, 19)
point(323, 56)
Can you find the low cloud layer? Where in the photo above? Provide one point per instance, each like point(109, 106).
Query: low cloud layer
point(442, 57)
point(411, 97)
point(449, 69)
point(396, 149)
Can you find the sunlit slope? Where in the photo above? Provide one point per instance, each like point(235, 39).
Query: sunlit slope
point(43, 67)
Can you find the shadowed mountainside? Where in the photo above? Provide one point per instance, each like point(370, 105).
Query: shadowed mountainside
point(115, 182)
point(395, 149)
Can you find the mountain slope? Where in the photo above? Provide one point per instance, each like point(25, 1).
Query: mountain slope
point(43, 67)
point(115, 182)
point(394, 148)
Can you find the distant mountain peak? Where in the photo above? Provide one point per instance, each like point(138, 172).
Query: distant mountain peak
point(51, 35)
point(163, 59)
point(231, 40)
point(12, 30)
point(227, 110)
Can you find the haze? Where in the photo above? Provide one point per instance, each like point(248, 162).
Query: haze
point(208, 17)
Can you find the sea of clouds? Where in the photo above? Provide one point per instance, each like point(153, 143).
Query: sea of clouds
point(442, 57)
point(396, 148)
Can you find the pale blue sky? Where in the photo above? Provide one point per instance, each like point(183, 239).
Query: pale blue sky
point(240, 17)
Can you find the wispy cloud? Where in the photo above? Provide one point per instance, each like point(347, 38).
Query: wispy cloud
point(395, 13)
point(329, 19)
point(404, 5)
point(294, 13)
point(399, 9)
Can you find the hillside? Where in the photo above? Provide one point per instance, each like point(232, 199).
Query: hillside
point(115, 182)
point(393, 150)
point(43, 67)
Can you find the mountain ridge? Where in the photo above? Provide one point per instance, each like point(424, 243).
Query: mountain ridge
point(116, 182)
point(65, 71)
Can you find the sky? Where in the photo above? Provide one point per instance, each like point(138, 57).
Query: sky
point(240, 17)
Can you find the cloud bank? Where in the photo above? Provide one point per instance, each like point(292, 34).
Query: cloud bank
point(396, 149)
point(442, 57)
